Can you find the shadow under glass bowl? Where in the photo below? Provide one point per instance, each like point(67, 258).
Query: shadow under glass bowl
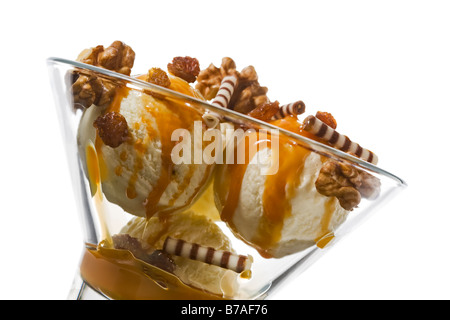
point(110, 273)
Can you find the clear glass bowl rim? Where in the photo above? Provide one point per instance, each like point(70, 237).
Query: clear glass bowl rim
point(317, 146)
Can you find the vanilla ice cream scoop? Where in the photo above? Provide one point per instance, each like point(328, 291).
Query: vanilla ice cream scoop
point(282, 213)
point(139, 175)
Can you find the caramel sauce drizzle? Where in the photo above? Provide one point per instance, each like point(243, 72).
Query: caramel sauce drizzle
point(278, 192)
point(180, 117)
point(326, 235)
point(233, 176)
point(183, 185)
point(94, 175)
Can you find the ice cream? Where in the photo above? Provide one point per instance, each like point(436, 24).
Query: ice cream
point(300, 204)
point(139, 174)
point(278, 214)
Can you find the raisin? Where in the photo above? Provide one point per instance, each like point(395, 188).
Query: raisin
point(159, 77)
point(112, 128)
point(265, 111)
point(327, 118)
point(186, 68)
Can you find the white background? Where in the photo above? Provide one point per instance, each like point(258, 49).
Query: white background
point(381, 67)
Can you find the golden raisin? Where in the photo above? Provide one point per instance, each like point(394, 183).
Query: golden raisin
point(265, 111)
point(186, 68)
point(159, 77)
point(327, 118)
point(112, 128)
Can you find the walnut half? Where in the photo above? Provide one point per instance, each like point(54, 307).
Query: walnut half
point(347, 183)
point(209, 79)
point(87, 88)
point(118, 57)
point(248, 93)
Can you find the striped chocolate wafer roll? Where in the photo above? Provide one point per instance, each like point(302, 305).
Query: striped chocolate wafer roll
point(224, 259)
point(225, 92)
point(291, 109)
point(321, 130)
point(222, 100)
point(211, 119)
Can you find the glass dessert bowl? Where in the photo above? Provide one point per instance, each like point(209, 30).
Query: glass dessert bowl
point(192, 184)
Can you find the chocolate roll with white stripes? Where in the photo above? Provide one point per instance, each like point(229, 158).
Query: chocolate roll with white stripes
point(291, 109)
point(193, 251)
point(321, 130)
point(222, 100)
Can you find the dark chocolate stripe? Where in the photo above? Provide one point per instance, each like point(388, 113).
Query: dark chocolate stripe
point(346, 145)
point(194, 250)
point(228, 90)
point(179, 247)
point(370, 158)
point(322, 131)
point(209, 255)
point(309, 122)
point(223, 96)
point(334, 137)
point(225, 259)
point(228, 81)
point(240, 264)
point(299, 107)
point(359, 151)
point(219, 103)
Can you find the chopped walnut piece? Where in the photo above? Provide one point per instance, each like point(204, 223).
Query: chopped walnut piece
point(347, 183)
point(248, 75)
point(265, 111)
point(107, 93)
point(248, 93)
point(86, 90)
point(208, 82)
point(89, 89)
point(89, 56)
point(112, 128)
point(162, 260)
point(327, 118)
point(348, 197)
point(338, 180)
point(118, 57)
point(126, 242)
point(157, 258)
point(209, 79)
point(228, 67)
point(186, 68)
